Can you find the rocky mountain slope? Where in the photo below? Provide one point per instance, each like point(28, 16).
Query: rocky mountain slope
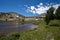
point(10, 16)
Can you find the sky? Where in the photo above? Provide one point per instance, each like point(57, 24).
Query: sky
point(28, 7)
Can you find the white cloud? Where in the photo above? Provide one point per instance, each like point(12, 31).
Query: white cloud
point(32, 7)
point(41, 8)
point(34, 12)
point(41, 3)
point(56, 6)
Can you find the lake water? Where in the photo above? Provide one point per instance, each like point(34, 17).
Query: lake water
point(7, 27)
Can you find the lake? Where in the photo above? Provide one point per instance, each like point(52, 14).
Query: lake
point(8, 27)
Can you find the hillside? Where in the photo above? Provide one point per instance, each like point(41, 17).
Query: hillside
point(10, 16)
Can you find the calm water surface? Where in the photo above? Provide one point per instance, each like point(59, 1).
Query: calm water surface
point(14, 27)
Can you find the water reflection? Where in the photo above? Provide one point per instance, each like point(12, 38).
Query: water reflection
point(13, 27)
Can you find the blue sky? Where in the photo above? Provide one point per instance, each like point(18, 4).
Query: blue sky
point(27, 7)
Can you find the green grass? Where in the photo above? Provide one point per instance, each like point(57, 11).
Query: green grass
point(54, 23)
point(43, 32)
